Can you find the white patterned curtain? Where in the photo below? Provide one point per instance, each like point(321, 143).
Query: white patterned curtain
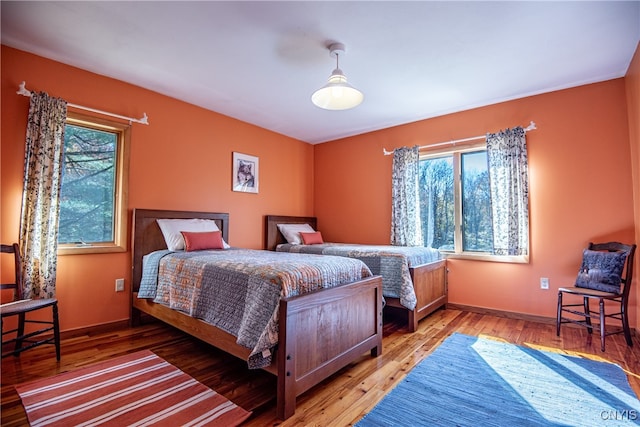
point(509, 182)
point(43, 165)
point(405, 198)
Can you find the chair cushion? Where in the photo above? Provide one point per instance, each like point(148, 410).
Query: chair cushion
point(601, 270)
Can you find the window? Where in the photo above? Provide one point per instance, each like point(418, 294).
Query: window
point(93, 205)
point(455, 203)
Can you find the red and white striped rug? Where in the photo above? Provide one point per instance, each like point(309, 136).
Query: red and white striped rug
point(138, 389)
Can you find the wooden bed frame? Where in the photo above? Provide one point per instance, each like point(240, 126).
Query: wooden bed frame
point(313, 343)
point(429, 280)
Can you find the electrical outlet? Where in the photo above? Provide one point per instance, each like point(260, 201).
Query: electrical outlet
point(544, 283)
point(119, 285)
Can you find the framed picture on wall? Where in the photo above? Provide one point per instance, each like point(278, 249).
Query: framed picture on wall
point(245, 173)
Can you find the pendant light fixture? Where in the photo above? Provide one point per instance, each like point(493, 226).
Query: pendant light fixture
point(337, 94)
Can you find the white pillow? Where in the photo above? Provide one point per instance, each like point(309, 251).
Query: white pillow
point(291, 232)
point(171, 229)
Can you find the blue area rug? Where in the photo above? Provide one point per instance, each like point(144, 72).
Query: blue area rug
point(471, 381)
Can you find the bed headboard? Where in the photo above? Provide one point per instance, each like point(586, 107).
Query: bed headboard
point(147, 237)
point(273, 237)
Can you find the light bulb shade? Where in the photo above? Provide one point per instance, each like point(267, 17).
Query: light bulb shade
point(337, 94)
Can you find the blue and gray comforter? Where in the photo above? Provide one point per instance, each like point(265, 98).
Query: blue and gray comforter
point(391, 262)
point(238, 290)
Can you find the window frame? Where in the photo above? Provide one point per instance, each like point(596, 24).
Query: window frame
point(456, 152)
point(121, 186)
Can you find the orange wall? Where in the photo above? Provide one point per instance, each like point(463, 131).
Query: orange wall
point(182, 160)
point(632, 80)
point(580, 189)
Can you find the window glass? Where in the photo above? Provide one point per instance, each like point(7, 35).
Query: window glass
point(93, 203)
point(88, 186)
point(477, 228)
point(437, 202)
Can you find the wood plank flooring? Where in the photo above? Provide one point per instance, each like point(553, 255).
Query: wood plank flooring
point(338, 401)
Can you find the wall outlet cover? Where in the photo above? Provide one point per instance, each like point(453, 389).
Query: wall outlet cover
point(544, 283)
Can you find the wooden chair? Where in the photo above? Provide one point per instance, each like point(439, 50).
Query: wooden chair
point(621, 298)
point(20, 307)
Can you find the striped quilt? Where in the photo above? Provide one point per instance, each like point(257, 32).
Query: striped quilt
point(238, 290)
point(391, 262)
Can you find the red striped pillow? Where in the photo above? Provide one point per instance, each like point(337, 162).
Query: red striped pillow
point(198, 241)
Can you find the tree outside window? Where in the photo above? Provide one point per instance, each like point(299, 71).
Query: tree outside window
point(453, 201)
point(93, 194)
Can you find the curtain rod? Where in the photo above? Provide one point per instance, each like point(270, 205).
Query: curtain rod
point(532, 126)
point(144, 120)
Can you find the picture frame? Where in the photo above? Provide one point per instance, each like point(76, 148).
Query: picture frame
point(245, 178)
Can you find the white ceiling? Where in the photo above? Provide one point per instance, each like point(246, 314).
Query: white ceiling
point(261, 61)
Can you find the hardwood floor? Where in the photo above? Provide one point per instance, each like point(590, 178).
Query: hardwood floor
point(338, 401)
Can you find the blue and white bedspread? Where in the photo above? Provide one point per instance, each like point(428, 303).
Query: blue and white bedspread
point(391, 262)
point(239, 290)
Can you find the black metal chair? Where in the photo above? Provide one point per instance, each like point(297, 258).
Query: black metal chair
point(585, 314)
point(50, 334)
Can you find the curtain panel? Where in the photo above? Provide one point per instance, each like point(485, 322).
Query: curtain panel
point(40, 197)
point(509, 186)
point(405, 211)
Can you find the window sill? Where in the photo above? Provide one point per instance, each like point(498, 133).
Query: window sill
point(475, 256)
point(81, 249)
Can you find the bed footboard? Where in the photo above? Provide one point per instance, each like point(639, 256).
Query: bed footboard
point(430, 286)
point(322, 332)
